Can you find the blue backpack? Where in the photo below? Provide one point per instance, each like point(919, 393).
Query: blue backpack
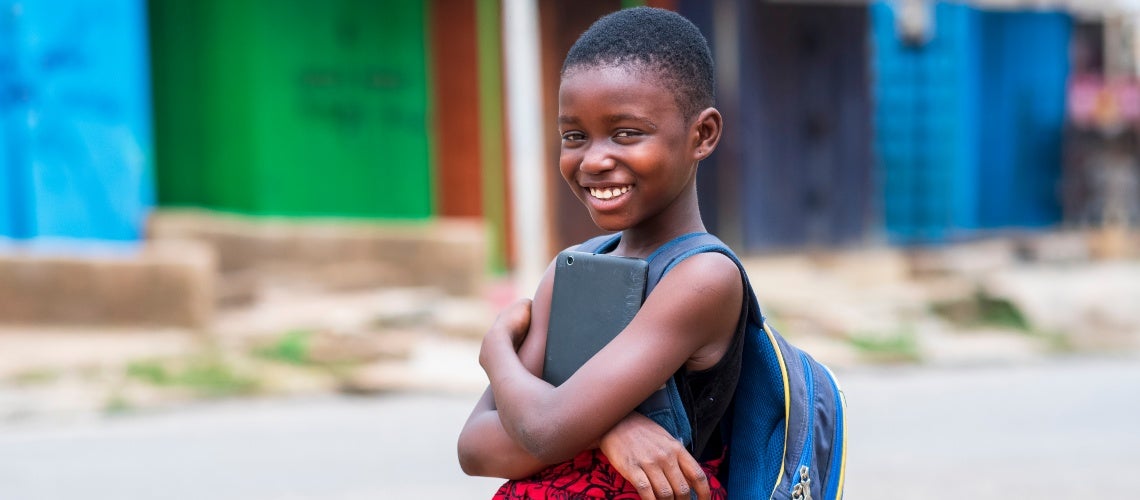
point(785, 430)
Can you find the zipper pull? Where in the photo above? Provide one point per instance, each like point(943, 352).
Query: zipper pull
point(802, 489)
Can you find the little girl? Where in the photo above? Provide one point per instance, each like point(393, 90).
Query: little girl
point(635, 116)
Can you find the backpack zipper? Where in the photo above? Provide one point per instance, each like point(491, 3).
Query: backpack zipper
point(802, 489)
point(787, 398)
point(838, 464)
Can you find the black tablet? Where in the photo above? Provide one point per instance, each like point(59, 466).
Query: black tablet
point(595, 296)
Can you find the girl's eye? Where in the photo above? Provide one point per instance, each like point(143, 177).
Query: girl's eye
point(626, 134)
point(573, 136)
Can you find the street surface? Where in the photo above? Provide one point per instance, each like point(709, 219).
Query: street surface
point(1056, 429)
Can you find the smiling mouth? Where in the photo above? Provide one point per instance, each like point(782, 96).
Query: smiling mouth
point(608, 193)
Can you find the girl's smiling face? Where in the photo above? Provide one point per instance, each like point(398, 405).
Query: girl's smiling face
point(628, 152)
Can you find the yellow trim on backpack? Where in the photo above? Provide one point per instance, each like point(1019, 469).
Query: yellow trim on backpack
point(843, 447)
point(787, 404)
point(843, 456)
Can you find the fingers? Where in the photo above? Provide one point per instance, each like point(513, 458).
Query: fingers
point(696, 478)
point(654, 462)
point(661, 487)
point(514, 321)
point(521, 307)
point(517, 314)
point(640, 481)
point(677, 481)
point(685, 475)
point(652, 482)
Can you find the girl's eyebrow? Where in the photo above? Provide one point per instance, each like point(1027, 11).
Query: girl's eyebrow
point(628, 117)
point(572, 120)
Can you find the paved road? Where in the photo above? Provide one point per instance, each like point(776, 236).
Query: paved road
point(1061, 429)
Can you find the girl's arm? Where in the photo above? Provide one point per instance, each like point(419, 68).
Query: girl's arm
point(656, 463)
point(485, 448)
point(691, 315)
point(653, 461)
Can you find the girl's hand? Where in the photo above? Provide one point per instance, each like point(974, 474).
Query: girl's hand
point(511, 326)
point(655, 462)
point(514, 321)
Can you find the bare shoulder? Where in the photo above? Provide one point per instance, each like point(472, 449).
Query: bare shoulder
point(708, 291)
point(709, 271)
point(700, 291)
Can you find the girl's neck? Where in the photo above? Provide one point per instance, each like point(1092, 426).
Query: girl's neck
point(681, 216)
point(642, 240)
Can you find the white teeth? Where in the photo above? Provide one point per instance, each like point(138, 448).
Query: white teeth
point(608, 193)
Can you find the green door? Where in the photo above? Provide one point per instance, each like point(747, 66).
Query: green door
point(293, 107)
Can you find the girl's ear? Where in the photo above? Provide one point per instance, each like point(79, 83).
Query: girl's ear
point(706, 132)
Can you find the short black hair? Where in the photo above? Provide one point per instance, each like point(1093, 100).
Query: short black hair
point(660, 39)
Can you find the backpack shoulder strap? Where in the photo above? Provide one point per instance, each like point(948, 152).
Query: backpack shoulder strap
point(667, 256)
point(600, 244)
point(673, 252)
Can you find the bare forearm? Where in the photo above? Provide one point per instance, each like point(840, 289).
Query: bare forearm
point(485, 449)
point(550, 423)
point(522, 401)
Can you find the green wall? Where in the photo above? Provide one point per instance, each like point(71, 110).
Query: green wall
point(293, 107)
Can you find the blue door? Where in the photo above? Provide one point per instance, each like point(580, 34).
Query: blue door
point(74, 119)
point(925, 134)
point(1025, 63)
point(969, 123)
point(12, 206)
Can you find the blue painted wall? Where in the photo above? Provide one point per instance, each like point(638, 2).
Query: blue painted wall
point(925, 116)
point(1026, 69)
point(968, 125)
point(11, 206)
point(75, 132)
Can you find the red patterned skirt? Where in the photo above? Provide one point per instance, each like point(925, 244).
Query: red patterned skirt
point(588, 475)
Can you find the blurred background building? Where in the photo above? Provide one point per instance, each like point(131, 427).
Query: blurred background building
point(849, 123)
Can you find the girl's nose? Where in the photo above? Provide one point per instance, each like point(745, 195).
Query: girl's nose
point(597, 160)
